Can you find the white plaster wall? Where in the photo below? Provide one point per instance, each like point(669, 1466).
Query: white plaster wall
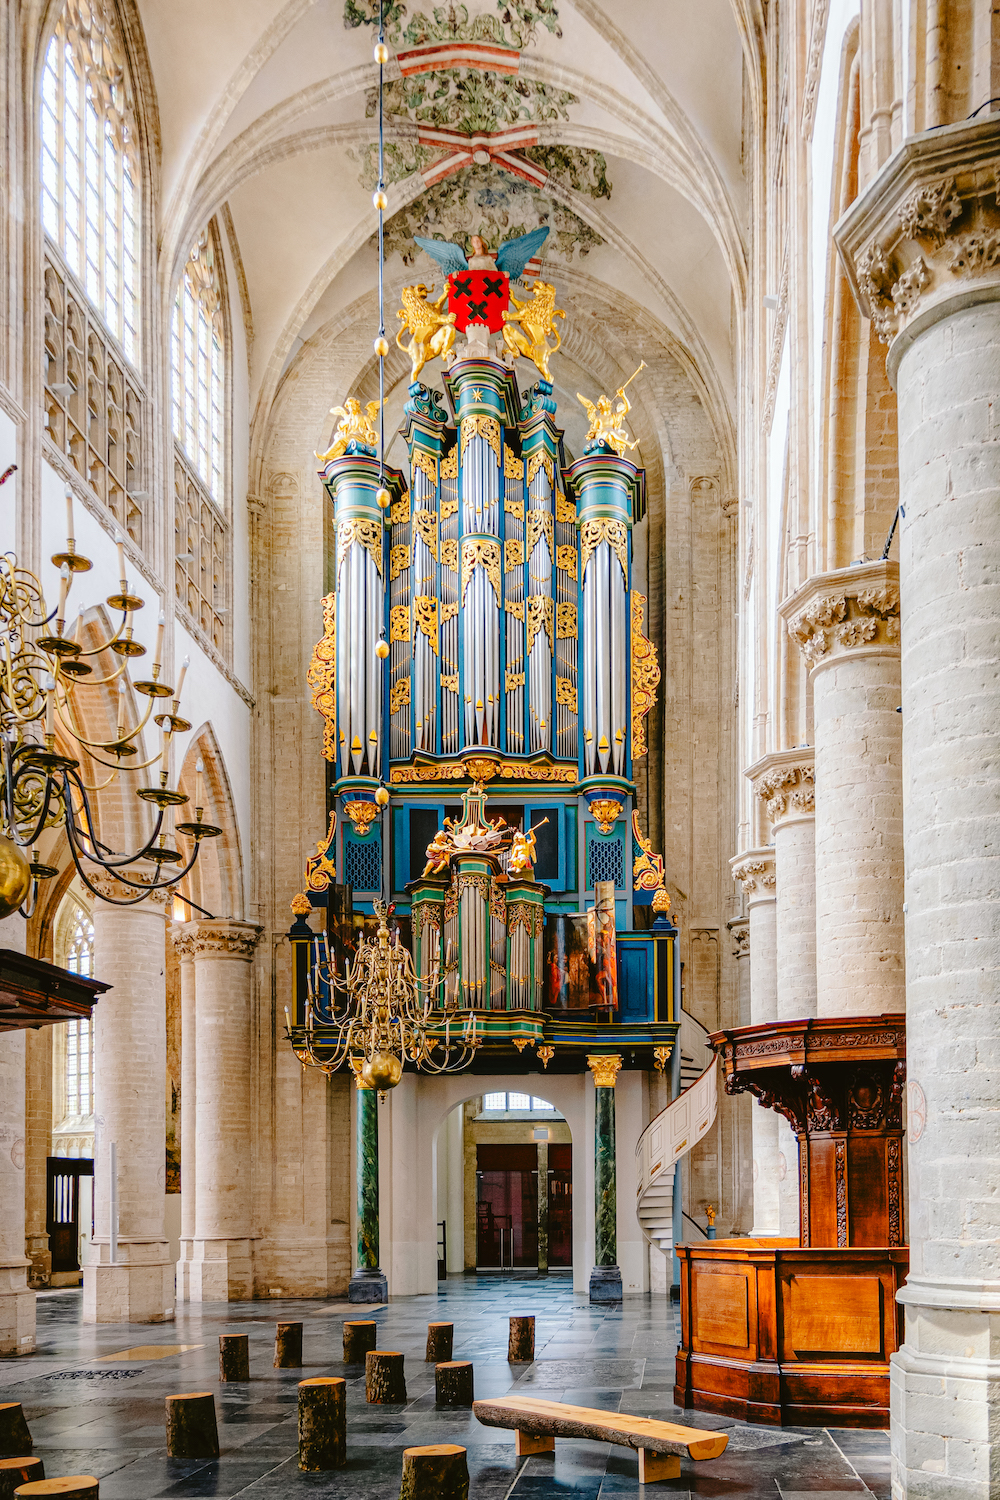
point(633, 1260)
point(10, 493)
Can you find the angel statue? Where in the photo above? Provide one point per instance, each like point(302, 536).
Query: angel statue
point(524, 853)
point(479, 285)
point(355, 426)
point(606, 420)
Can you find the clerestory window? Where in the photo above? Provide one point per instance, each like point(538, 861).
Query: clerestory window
point(197, 366)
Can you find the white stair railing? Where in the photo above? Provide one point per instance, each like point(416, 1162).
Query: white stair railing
point(673, 1133)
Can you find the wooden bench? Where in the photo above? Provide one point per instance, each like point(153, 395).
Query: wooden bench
point(538, 1423)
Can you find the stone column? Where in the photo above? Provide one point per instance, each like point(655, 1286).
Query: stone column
point(605, 1278)
point(183, 940)
point(847, 625)
point(543, 1208)
point(921, 246)
point(132, 1282)
point(755, 870)
point(17, 1300)
point(221, 1264)
point(368, 1284)
point(38, 1145)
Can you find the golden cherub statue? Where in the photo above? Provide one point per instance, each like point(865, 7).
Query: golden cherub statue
point(355, 426)
point(439, 851)
point(606, 420)
point(432, 331)
point(523, 854)
point(536, 316)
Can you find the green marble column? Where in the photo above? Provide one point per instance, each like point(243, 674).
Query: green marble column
point(368, 1284)
point(543, 1207)
point(605, 1278)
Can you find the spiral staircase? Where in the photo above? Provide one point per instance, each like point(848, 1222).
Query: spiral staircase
point(673, 1133)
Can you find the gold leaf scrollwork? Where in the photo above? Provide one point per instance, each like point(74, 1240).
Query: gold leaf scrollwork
point(565, 509)
point(362, 815)
point(538, 617)
point(565, 622)
point(513, 555)
point(399, 695)
point(321, 677)
point(593, 533)
point(426, 463)
point(645, 676)
point(566, 560)
point(513, 467)
point(539, 525)
point(485, 427)
point(536, 462)
point(399, 561)
point(449, 465)
point(480, 552)
point(606, 812)
point(512, 507)
point(515, 607)
point(514, 680)
point(399, 514)
point(425, 618)
point(510, 770)
point(320, 869)
point(367, 534)
point(449, 555)
point(566, 692)
point(399, 623)
point(448, 611)
point(450, 682)
point(449, 508)
point(425, 527)
point(647, 868)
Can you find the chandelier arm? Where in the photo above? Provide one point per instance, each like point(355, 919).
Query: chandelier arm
point(107, 645)
point(126, 859)
point(13, 709)
point(107, 744)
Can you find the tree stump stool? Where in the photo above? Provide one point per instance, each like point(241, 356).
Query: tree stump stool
point(359, 1337)
point(15, 1471)
point(440, 1342)
point(72, 1487)
point(15, 1438)
point(191, 1428)
point(521, 1344)
point(234, 1356)
point(438, 1472)
point(453, 1383)
point(322, 1423)
point(288, 1346)
point(384, 1382)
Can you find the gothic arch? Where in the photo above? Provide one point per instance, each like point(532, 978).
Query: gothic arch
point(216, 882)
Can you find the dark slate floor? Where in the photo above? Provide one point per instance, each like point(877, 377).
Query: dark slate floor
point(93, 1397)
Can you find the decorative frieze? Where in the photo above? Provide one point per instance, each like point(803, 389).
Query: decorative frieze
point(225, 939)
point(851, 609)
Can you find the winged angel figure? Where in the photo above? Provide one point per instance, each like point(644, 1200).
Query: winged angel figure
point(510, 259)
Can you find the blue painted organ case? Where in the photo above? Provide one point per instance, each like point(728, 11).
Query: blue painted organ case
point(500, 579)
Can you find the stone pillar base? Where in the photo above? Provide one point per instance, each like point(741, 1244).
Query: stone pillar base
point(942, 1400)
point(220, 1271)
point(605, 1284)
point(36, 1248)
point(138, 1288)
point(17, 1311)
point(184, 1270)
point(368, 1286)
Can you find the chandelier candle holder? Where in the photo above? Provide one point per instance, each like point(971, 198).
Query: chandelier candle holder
point(46, 756)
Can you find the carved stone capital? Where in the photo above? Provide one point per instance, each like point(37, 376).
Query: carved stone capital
point(182, 937)
point(605, 1070)
point(755, 871)
point(924, 239)
point(850, 611)
point(109, 888)
point(224, 939)
point(784, 782)
point(740, 932)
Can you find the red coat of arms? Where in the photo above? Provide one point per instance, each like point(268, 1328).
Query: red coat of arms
point(478, 297)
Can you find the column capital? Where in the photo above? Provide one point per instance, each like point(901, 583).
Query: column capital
point(182, 937)
point(224, 938)
point(784, 781)
point(739, 931)
point(605, 1070)
point(116, 893)
point(850, 612)
point(754, 869)
point(923, 240)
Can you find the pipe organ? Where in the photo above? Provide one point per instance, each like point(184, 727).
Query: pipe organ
point(484, 628)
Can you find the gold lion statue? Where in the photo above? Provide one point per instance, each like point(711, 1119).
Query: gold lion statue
point(355, 426)
point(536, 316)
point(432, 331)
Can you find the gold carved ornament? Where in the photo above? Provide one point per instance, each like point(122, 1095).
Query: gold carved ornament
point(321, 677)
point(481, 426)
point(512, 507)
point(566, 692)
point(426, 463)
point(513, 680)
point(448, 611)
point(425, 527)
point(320, 868)
point(648, 873)
point(525, 914)
point(362, 815)
point(485, 554)
point(513, 555)
point(449, 470)
point(449, 682)
point(399, 514)
point(431, 329)
point(538, 461)
point(606, 420)
point(565, 622)
point(605, 812)
point(399, 623)
point(538, 617)
point(516, 770)
point(593, 533)
point(367, 534)
point(399, 560)
point(661, 1056)
point(515, 608)
point(399, 695)
point(545, 1055)
point(449, 554)
point(425, 618)
point(565, 509)
point(355, 426)
point(513, 467)
point(605, 1070)
point(536, 316)
point(301, 905)
point(645, 676)
point(566, 560)
point(539, 524)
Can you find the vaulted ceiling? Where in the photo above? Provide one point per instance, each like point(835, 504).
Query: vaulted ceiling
point(618, 125)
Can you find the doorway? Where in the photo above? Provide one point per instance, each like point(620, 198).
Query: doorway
point(506, 1206)
point(560, 1206)
point(62, 1210)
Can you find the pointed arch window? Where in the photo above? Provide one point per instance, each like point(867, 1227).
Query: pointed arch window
point(73, 1054)
point(197, 365)
point(90, 168)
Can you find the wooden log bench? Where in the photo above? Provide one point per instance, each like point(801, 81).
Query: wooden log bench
point(537, 1424)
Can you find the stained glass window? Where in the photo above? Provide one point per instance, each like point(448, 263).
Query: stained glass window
point(89, 168)
point(197, 367)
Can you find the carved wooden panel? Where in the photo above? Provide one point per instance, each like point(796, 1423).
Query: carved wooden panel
point(833, 1315)
point(721, 1302)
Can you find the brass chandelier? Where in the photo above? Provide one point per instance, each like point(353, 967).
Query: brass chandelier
point(388, 1015)
point(42, 669)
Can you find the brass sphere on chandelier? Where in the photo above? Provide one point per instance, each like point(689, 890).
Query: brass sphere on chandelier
point(15, 877)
